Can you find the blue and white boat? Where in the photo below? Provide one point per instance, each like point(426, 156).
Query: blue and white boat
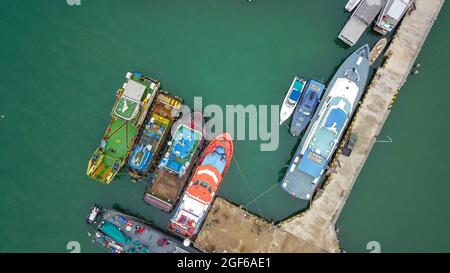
point(327, 127)
point(291, 100)
point(306, 107)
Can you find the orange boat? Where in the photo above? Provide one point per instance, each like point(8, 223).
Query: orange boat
point(196, 201)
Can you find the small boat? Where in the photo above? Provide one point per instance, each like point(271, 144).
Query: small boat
point(291, 99)
point(130, 109)
point(95, 212)
point(156, 129)
point(390, 16)
point(174, 168)
point(377, 49)
point(352, 4)
point(207, 177)
point(306, 107)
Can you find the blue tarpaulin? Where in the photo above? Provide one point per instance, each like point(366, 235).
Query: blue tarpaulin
point(114, 232)
point(295, 95)
point(336, 117)
point(312, 164)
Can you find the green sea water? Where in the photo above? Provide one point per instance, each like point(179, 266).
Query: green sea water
point(60, 66)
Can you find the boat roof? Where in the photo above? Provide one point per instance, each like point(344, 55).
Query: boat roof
point(325, 137)
point(134, 90)
point(308, 101)
point(185, 141)
point(189, 213)
point(297, 90)
point(312, 94)
point(346, 89)
point(128, 104)
point(316, 86)
point(398, 8)
point(312, 163)
point(193, 207)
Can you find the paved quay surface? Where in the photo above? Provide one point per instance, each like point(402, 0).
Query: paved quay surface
point(317, 225)
point(230, 229)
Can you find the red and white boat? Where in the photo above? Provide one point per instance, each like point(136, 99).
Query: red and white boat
point(196, 201)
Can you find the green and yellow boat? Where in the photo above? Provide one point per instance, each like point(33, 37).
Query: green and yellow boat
point(130, 109)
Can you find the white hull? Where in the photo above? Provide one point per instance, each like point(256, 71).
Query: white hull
point(351, 5)
point(342, 88)
point(287, 109)
point(286, 113)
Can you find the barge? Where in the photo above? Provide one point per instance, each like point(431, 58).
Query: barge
point(174, 169)
point(121, 233)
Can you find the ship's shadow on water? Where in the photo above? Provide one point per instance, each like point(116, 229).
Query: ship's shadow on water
point(121, 209)
point(341, 44)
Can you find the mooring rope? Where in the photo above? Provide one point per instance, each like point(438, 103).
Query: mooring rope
point(247, 184)
point(264, 193)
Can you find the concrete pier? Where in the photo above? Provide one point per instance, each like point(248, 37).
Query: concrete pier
point(230, 229)
point(317, 224)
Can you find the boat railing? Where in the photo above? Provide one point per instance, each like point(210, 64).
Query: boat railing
point(153, 200)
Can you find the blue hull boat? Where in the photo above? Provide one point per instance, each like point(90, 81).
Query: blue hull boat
point(306, 107)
